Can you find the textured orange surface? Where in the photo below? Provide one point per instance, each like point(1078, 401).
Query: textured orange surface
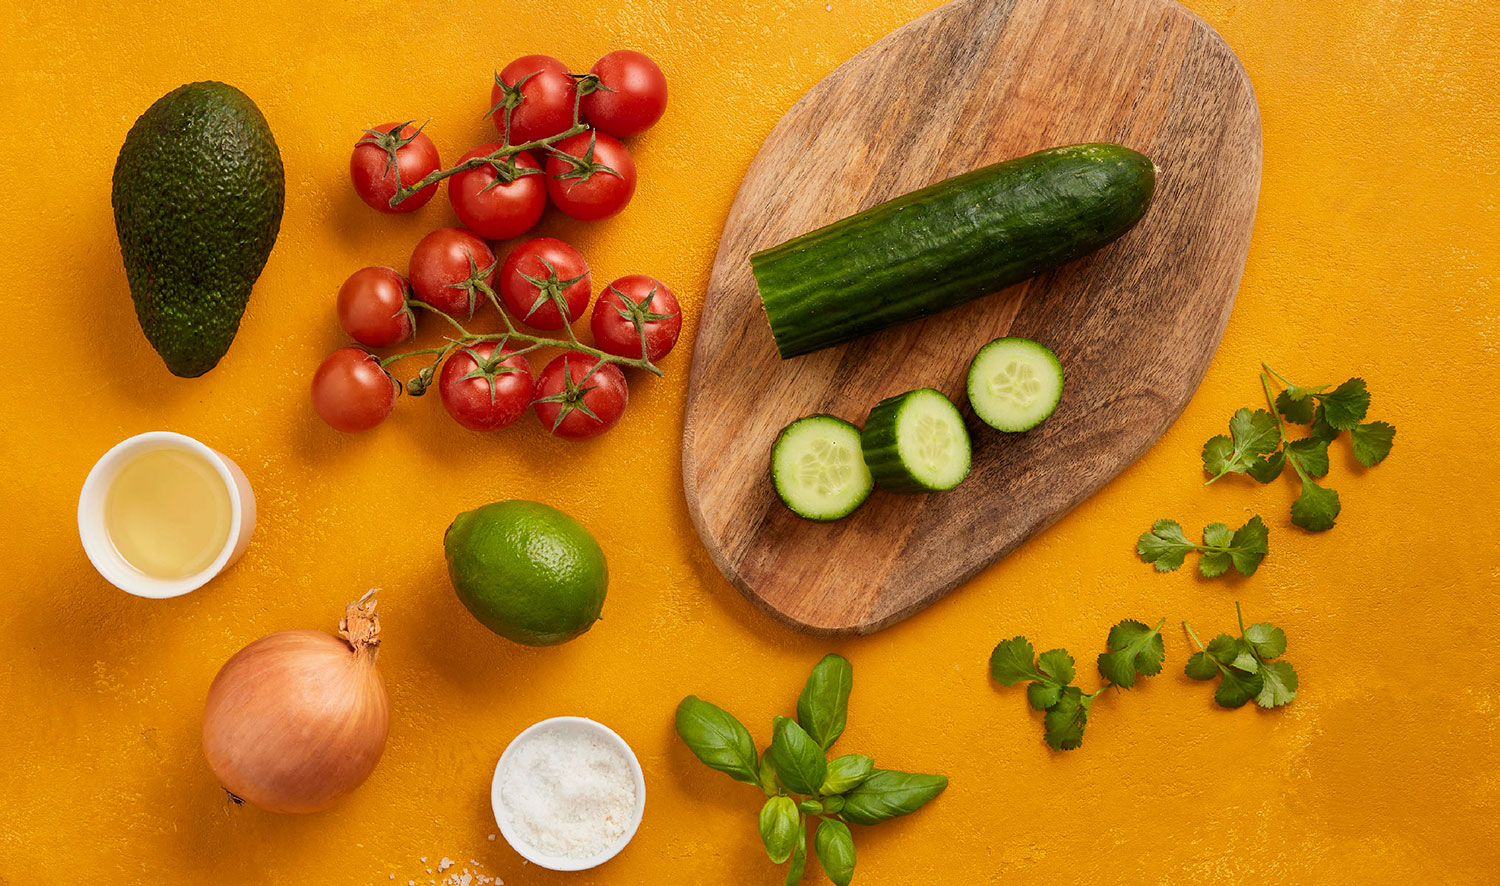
point(1375, 252)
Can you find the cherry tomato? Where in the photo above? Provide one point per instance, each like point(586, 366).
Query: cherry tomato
point(634, 94)
point(374, 175)
point(446, 268)
point(590, 176)
point(576, 402)
point(630, 297)
point(482, 396)
point(373, 310)
point(351, 391)
point(499, 200)
point(535, 273)
point(541, 106)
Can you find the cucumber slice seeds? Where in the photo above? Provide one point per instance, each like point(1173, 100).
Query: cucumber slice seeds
point(818, 469)
point(1015, 384)
point(916, 442)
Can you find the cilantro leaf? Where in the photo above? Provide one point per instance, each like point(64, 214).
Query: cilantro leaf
point(1043, 695)
point(1057, 664)
point(1237, 687)
point(1214, 563)
point(1201, 666)
point(1066, 720)
point(1269, 468)
point(1252, 434)
point(1266, 639)
point(1372, 442)
point(1316, 508)
point(1013, 661)
point(1345, 406)
point(1134, 649)
point(1297, 410)
point(1310, 454)
point(1249, 545)
point(1278, 684)
point(1321, 429)
point(1164, 545)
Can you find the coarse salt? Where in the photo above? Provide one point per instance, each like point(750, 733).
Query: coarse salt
point(568, 793)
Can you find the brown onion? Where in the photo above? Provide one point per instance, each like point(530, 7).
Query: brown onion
point(298, 719)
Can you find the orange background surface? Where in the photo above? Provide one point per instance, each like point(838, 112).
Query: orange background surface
point(1375, 252)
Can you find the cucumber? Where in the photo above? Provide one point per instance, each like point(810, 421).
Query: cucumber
point(817, 468)
point(1015, 384)
point(916, 442)
point(949, 243)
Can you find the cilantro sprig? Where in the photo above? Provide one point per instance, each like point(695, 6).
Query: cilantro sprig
point(1166, 546)
point(1134, 650)
point(1258, 443)
point(1248, 664)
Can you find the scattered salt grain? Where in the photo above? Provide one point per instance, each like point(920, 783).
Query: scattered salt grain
point(492, 838)
point(445, 864)
point(568, 793)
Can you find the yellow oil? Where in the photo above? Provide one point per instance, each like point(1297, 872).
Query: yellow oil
point(168, 513)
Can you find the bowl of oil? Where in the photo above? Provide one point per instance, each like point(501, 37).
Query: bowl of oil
point(161, 514)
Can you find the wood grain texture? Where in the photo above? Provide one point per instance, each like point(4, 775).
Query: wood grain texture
point(1135, 325)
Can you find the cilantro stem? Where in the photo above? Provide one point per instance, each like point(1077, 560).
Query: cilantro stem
point(1239, 617)
point(1279, 377)
point(1199, 643)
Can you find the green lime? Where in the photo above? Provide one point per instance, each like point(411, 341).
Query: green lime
point(527, 571)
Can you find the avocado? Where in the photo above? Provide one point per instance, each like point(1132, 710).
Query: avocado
point(198, 195)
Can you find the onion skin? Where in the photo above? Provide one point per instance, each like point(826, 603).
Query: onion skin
point(298, 719)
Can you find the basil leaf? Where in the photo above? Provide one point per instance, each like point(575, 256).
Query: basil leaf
point(845, 773)
point(770, 782)
point(823, 707)
point(835, 847)
point(833, 805)
point(810, 806)
point(718, 739)
point(799, 759)
point(779, 822)
point(798, 866)
point(888, 793)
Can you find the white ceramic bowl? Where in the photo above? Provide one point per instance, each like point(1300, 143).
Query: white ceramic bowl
point(554, 863)
point(101, 551)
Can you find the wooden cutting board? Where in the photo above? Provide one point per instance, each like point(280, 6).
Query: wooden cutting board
point(1135, 325)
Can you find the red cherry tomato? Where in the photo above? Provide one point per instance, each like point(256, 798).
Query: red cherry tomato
point(444, 267)
point(535, 273)
point(590, 176)
point(576, 402)
point(372, 308)
point(483, 396)
point(351, 391)
point(541, 106)
point(374, 175)
point(636, 296)
point(499, 200)
point(634, 94)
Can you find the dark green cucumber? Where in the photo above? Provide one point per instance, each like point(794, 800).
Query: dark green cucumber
point(916, 442)
point(949, 243)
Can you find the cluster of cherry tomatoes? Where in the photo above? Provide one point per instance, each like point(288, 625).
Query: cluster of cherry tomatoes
point(486, 381)
point(588, 175)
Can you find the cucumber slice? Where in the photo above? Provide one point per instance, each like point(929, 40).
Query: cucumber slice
point(916, 442)
point(1014, 384)
point(817, 468)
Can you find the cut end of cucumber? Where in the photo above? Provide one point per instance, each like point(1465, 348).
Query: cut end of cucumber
point(1015, 384)
point(917, 442)
point(818, 469)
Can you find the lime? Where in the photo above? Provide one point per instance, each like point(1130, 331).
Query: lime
point(527, 571)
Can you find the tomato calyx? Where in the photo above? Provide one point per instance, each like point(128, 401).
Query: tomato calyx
point(488, 368)
point(582, 168)
point(476, 285)
point(572, 394)
point(638, 312)
point(587, 83)
point(510, 99)
point(550, 289)
point(506, 170)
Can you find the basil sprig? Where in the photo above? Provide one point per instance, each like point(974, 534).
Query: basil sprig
point(802, 785)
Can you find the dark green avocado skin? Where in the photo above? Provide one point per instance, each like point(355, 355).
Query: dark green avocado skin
point(198, 195)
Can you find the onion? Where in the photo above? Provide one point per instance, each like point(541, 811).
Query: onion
point(298, 719)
